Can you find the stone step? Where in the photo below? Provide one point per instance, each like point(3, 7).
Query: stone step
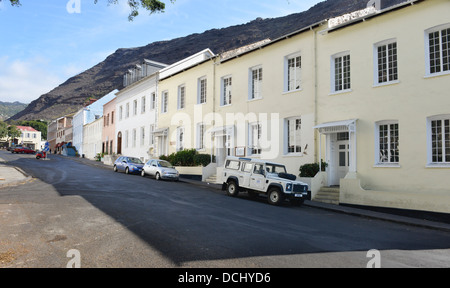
point(328, 195)
point(212, 179)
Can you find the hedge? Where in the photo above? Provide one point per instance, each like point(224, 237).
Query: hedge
point(188, 158)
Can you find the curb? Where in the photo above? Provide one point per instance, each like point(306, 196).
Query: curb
point(17, 182)
point(354, 211)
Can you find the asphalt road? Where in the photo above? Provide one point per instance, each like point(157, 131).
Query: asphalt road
point(118, 220)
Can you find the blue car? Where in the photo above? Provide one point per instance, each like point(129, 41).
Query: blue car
point(129, 165)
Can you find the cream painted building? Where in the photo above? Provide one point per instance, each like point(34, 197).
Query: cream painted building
point(383, 106)
point(265, 101)
point(224, 104)
point(92, 138)
point(185, 103)
point(365, 92)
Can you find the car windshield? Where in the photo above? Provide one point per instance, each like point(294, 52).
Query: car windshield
point(135, 160)
point(165, 164)
point(274, 168)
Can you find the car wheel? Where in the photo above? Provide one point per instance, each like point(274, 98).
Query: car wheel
point(275, 197)
point(157, 176)
point(232, 188)
point(115, 168)
point(143, 173)
point(127, 171)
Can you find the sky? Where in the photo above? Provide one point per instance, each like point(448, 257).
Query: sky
point(43, 43)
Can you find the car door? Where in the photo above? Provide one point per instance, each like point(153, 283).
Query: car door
point(118, 163)
point(123, 164)
point(244, 176)
point(257, 178)
point(153, 167)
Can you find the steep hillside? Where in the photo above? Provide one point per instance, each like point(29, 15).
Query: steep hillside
point(107, 75)
point(8, 109)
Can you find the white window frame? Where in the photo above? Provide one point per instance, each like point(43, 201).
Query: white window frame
point(296, 121)
point(344, 87)
point(437, 29)
point(180, 138)
point(120, 113)
point(202, 90)
point(442, 145)
point(181, 97)
point(296, 76)
point(255, 76)
point(127, 110)
point(390, 130)
point(164, 102)
point(152, 134)
point(142, 142)
point(133, 137)
point(143, 104)
point(135, 107)
point(254, 138)
point(153, 101)
point(201, 136)
point(226, 90)
point(391, 77)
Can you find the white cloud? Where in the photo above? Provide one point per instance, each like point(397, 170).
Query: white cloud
point(25, 81)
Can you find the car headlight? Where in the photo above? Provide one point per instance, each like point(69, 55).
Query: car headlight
point(289, 187)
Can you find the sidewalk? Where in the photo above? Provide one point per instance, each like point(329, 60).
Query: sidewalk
point(10, 176)
point(14, 176)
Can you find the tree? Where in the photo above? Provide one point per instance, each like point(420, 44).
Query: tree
point(149, 5)
point(13, 132)
point(3, 129)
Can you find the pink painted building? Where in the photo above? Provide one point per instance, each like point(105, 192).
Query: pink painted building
point(109, 128)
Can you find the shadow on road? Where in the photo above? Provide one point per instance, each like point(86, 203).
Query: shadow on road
point(186, 222)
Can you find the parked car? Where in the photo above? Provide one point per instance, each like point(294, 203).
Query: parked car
point(23, 150)
point(129, 165)
point(41, 154)
point(12, 147)
point(160, 169)
point(257, 176)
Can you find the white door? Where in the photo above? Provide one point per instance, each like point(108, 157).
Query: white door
point(220, 150)
point(343, 158)
point(339, 158)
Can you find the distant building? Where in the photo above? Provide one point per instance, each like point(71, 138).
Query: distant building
point(64, 132)
point(88, 114)
point(136, 110)
point(29, 137)
point(109, 128)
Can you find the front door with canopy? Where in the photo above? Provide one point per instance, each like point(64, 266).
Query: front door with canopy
point(340, 151)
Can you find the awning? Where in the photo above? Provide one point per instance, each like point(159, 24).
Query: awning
point(222, 130)
point(337, 126)
point(161, 132)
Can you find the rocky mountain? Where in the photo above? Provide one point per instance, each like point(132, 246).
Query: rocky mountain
point(108, 75)
point(8, 109)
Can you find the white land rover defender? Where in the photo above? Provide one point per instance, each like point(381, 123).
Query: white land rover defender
point(258, 176)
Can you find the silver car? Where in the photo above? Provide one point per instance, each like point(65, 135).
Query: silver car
point(160, 169)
